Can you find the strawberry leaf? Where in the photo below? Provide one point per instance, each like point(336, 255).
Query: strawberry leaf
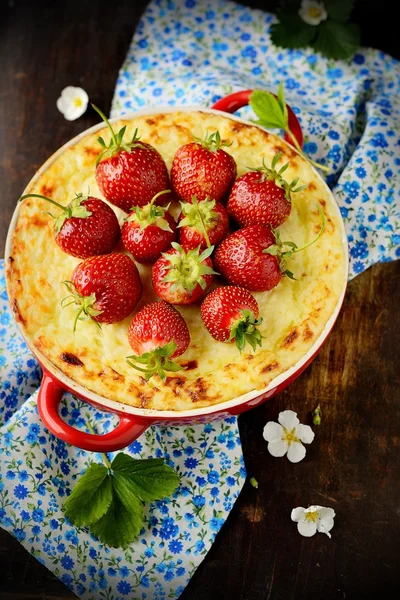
point(292, 31)
point(91, 497)
point(121, 524)
point(149, 479)
point(337, 40)
point(268, 110)
point(339, 10)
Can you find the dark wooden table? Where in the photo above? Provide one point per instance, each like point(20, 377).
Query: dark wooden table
point(353, 465)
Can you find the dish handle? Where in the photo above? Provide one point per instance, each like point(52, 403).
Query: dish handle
point(233, 102)
point(49, 398)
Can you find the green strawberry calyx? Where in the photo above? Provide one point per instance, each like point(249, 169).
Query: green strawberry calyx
point(156, 361)
point(73, 209)
point(151, 214)
point(282, 254)
point(245, 330)
point(199, 215)
point(272, 173)
point(117, 142)
point(85, 310)
point(187, 269)
point(212, 142)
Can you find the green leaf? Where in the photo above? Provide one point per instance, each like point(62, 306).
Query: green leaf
point(149, 479)
point(268, 109)
point(109, 501)
point(337, 40)
point(292, 31)
point(339, 10)
point(121, 524)
point(91, 497)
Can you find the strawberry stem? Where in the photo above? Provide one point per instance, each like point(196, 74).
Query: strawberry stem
point(299, 149)
point(64, 208)
point(154, 198)
point(282, 255)
point(107, 122)
point(156, 361)
point(117, 140)
point(73, 209)
point(104, 456)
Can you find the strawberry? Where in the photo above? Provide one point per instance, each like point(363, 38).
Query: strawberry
point(241, 259)
point(105, 288)
point(157, 334)
point(86, 227)
point(129, 173)
point(262, 196)
point(202, 224)
point(203, 169)
point(181, 277)
point(148, 231)
point(255, 258)
point(230, 314)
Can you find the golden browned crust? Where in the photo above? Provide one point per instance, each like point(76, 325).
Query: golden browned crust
point(294, 313)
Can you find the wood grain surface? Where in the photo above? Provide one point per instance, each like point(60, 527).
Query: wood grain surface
point(353, 464)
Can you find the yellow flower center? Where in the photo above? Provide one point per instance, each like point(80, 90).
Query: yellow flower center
point(312, 516)
point(314, 12)
point(78, 102)
point(289, 436)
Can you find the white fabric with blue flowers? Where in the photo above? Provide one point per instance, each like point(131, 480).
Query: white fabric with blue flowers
point(194, 52)
point(197, 51)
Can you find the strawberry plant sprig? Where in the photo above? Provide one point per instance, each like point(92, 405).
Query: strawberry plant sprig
point(278, 250)
point(273, 114)
point(109, 499)
point(324, 26)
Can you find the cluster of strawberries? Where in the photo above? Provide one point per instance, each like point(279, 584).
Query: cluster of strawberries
point(133, 176)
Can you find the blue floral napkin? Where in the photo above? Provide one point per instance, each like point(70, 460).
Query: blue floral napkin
point(197, 51)
point(194, 53)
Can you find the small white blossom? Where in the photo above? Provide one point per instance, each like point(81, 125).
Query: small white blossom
point(313, 12)
point(73, 102)
point(312, 519)
point(288, 436)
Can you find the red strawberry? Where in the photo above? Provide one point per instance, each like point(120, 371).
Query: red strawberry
point(203, 169)
point(86, 227)
point(148, 231)
point(202, 224)
point(181, 277)
point(129, 173)
point(106, 288)
point(241, 259)
point(254, 257)
point(262, 196)
point(230, 314)
point(157, 334)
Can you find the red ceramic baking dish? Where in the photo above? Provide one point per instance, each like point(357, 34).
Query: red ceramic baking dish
point(134, 421)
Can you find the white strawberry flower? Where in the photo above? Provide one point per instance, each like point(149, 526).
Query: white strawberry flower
point(312, 519)
point(313, 12)
point(73, 102)
point(288, 436)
